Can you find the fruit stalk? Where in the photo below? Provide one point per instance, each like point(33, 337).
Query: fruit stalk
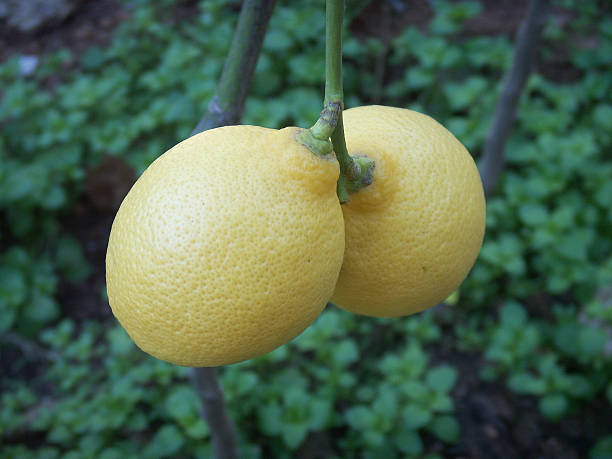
point(353, 175)
point(334, 18)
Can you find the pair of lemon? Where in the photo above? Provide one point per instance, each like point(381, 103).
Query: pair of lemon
point(232, 242)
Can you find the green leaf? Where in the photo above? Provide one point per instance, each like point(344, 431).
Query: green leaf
point(41, 309)
point(373, 439)
point(524, 383)
point(93, 58)
point(441, 378)
point(119, 340)
point(446, 428)
point(182, 403)
point(345, 352)
point(602, 115)
point(415, 416)
point(360, 418)
point(320, 411)
point(197, 429)
point(59, 434)
point(112, 453)
point(579, 386)
point(602, 449)
point(553, 406)
point(441, 402)
point(167, 441)
point(294, 434)
point(54, 198)
point(296, 397)
point(533, 214)
point(270, 418)
point(415, 390)
point(419, 77)
point(13, 287)
point(386, 404)
point(463, 95)
point(89, 445)
point(7, 318)
point(71, 261)
point(277, 40)
point(409, 442)
point(513, 314)
point(137, 422)
point(592, 341)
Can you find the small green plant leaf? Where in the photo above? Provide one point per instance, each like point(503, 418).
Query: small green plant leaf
point(446, 428)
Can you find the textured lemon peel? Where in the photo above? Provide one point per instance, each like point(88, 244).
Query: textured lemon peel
point(210, 259)
point(425, 207)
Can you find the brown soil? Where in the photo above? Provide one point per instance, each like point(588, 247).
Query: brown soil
point(90, 222)
point(496, 422)
point(91, 23)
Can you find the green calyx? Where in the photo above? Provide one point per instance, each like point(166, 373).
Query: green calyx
point(327, 134)
point(316, 139)
point(320, 147)
point(355, 172)
point(361, 173)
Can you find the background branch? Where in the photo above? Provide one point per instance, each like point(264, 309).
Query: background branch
point(226, 108)
point(528, 37)
point(30, 349)
point(227, 105)
point(212, 409)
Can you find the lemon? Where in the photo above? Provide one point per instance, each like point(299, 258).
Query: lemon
point(413, 235)
point(227, 246)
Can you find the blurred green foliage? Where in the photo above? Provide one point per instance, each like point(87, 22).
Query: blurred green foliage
point(549, 236)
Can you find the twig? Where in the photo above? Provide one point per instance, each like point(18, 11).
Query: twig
point(223, 432)
point(30, 349)
point(226, 108)
point(527, 40)
point(355, 172)
point(227, 105)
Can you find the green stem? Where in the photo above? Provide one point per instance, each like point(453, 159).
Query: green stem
point(334, 17)
point(334, 93)
point(354, 175)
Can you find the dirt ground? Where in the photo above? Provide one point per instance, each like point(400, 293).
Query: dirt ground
point(494, 421)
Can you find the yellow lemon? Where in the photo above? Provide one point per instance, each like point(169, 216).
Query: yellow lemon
point(228, 246)
point(413, 235)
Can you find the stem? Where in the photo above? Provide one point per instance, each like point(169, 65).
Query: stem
point(227, 105)
point(226, 108)
point(334, 92)
point(353, 175)
point(223, 432)
point(30, 349)
point(334, 18)
point(492, 162)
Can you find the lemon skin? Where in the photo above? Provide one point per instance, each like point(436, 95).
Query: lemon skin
point(413, 235)
point(228, 245)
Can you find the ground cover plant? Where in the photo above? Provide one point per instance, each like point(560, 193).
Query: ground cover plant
point(534, 314)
